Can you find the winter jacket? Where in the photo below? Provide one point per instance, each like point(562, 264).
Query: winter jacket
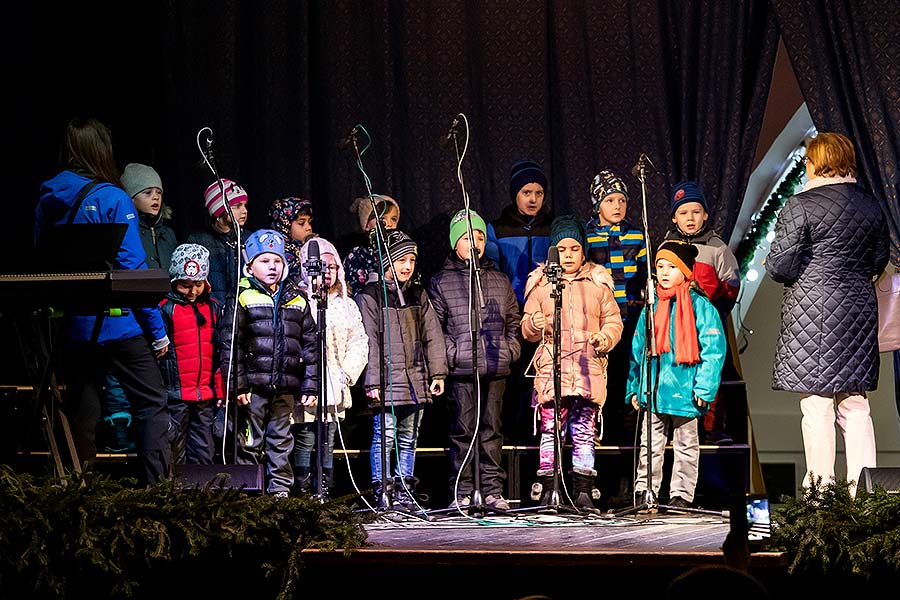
point(716, 269)
point(189, 367)
point(275, 340)
point(622, 250)
point(105, 203)
point(415, 344)
point(830, 242)
point(498, 334)
point(158, 238)
point(679, 384)
point(516, 243)
point(223, 254)
point(587, 306)
point(347, 347)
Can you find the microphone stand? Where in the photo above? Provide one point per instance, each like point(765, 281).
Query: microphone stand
point(386, 502)
point(650, 368)
point(210, 163)
point(320, 294)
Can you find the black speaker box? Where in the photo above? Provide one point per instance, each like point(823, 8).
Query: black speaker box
point(250, 478)
point(883, 477)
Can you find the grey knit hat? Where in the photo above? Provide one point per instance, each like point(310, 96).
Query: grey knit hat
point(137, 177)
point(190, 262)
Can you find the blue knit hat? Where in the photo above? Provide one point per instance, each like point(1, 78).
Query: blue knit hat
point(567, 226)
point(687, 191)
point(524, 172)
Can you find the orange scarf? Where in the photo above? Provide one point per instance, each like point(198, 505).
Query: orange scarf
point(687, 347)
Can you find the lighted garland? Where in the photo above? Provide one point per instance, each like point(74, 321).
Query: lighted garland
point(763, 220)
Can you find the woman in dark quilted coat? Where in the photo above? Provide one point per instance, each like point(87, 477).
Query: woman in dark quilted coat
point(830, 242)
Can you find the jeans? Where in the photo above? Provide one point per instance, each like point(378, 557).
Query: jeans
point(305, 443)
point(405, 420)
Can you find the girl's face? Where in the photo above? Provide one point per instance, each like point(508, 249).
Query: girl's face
point(463, 248)
point(391, 218)
point(191, 290)
point(268, 268)
point(690, 217)
point(301, 228)
point(571, 255)
point(149, 201)
point(404, 266)
point(330, 268)
point(667, 274)
point(239, 211)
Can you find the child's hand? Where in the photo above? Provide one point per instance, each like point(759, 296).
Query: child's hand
point(437, 387)
point(701, 404)
point(599, 341)
point(374, 394)
point(243, 399)
point(538, 320)
point(634, 403)
point(162, 351)
point(308, 399)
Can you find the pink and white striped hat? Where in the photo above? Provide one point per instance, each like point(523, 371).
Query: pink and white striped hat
point(215, 205)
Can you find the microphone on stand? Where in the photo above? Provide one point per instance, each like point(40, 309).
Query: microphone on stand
point(552, 268)
point(313, 265)
point(348, 140)
point(641, 166)
point(446, 140)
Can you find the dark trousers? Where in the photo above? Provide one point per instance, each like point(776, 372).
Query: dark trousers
point(619, 418)
point(132, 362)
point(192, 431)
point(264, 438)
point(462, 402)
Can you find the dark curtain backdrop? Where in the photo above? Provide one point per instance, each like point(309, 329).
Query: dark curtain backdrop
point(846, 56)
point(575, 85)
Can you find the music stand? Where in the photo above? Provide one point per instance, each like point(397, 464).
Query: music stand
point(79, 247)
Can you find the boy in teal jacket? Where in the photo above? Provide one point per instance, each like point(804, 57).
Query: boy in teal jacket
point(690, 344)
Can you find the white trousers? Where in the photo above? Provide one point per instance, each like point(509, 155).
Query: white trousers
point(855, 423)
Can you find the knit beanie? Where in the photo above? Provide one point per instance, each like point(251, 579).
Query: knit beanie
point(215, 204)
point(680, 254)
point(398, 245)
point(262, 241)
point(363, 208)
point(325, 247)
point(687, 191)
point(190, 262)
point(524, 172)
point(604, 184)
point(458, 226)
point(567, 226)
point(137, 177)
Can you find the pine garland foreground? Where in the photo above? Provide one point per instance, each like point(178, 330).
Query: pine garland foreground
point(828, 532)
point(96, 535)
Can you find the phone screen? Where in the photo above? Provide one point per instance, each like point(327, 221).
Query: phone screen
point(759, 526)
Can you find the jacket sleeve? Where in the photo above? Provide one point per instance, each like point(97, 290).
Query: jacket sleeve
point(310, 349)
point(513, 322)
point(357, 354)
point(370, 315)
point(492, 246)
point(712, 349)
point(433, 339)
point(610, 317)
point(226, 340)
point(729, 276)
point(882, 251)
point(633, 387)
point(786, 254)
point(534, 295)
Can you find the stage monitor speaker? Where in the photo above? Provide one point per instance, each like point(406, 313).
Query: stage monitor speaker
point(250, 478)
point(883, 477)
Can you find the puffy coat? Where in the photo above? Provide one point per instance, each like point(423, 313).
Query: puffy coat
point(830, 241)
point(415, 344)
point(189, 367)
point(516, 244)
point(158, 238)
point(223, 254)
point(275, 339)
point(588, 306)
point(498, 333)
point(680, 384)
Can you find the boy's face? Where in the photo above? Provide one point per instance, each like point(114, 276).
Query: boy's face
point(530, 199)
point(690, 217)
point(404, 266)
point(329, 268)
point(191, 290)
point(463, 248)
point(612, 209)
point(268, 268)
point(667, 274)
point(148, 201)
point(391, 218)
point(301, 228)
point(571, 255)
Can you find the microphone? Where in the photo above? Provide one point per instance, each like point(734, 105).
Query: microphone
point(313, 264)
point(209, 148)
point(446, 140)
point(552, 268)
point(643, 161)
point(349, 139)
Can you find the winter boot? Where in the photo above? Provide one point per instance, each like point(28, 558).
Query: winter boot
point(542, 490)
point(327, 482)
point(382, 497)
point(406, 493)
point(583, 486)
point(118, 441)
point(302, 481)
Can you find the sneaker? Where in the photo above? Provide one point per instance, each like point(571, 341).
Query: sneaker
point(498, 502)
point(676, 503)
point(461, 502)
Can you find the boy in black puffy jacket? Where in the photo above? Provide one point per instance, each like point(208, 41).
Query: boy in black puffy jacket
point(274, 357)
